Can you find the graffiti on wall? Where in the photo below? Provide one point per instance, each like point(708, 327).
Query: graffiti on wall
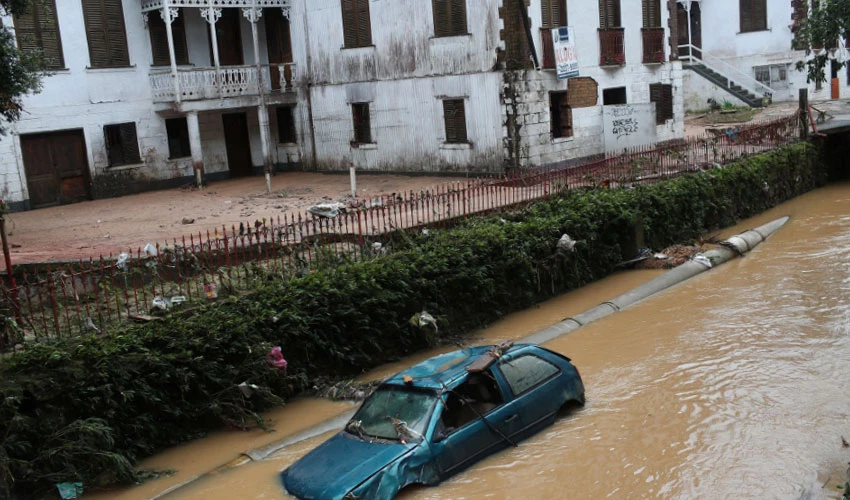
point(628, 125)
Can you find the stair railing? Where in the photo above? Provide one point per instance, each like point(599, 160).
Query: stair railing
point(742, 79)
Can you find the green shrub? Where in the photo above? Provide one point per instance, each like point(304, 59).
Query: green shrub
point(86, 409)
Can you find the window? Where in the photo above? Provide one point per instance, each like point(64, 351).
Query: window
point(554, 14)
point(122, 147)
point(753, 15)
point(467, 402)
point(455, 118)
point(449, 17)
point(616, 95)
point(609, 14)
point(105, 32)
point(37, 30)
point(286, 132)
point(774, 76)
point(560, 115)
point(526, 372)
point(362, 127)
point(178, 138)
point(159, 39)
point(356, 25)
point(651, 13)
point(662, 95)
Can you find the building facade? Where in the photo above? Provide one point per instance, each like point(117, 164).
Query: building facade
point(149, 93)
point(750, 43)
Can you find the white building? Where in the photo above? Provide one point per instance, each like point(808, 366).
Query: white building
point(144, 94)
point(749, 43)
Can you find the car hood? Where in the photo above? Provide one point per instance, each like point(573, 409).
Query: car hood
point(338, 465)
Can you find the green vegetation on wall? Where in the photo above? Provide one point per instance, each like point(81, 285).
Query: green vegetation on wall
point(87, 409)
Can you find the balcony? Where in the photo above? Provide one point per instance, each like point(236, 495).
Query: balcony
point(653, 45)
point(195, 84)
point(612, 49)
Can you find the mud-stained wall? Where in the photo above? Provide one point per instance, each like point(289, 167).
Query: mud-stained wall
point(407, 125)
point(403, 42)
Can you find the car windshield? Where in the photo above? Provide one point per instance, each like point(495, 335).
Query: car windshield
point(397, 413)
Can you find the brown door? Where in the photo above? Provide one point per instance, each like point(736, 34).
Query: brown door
point(238, 144)
point(229, 34)
point(279, 44)
point(56, 167)
point(695, 28)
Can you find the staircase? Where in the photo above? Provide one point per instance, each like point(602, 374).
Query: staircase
point(747, 96)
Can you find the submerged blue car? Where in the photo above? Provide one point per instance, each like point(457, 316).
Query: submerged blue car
point(436, 418)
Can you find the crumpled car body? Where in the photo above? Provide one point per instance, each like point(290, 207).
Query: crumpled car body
point(437, 418)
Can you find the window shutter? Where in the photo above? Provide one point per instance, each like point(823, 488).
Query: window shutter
point(760, 14)
point(667, 101)
point(104, 20)
point(38, 30)
point(655, 96)
point(349, 20)
point(441, 17)
point(651, 14)
point(609, 14)
point(364, 24)
point(159, 40)
point(455, 119)
point(458, 17)
point(753, 15)
point(130, 144)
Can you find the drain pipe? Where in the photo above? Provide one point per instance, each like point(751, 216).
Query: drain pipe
point(728, 250)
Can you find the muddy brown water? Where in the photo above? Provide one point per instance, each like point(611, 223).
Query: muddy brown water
point(734, 384)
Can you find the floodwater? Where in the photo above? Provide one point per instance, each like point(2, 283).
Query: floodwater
point(734, 384)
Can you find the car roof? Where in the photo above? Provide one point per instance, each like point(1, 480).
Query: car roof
point(444, 369)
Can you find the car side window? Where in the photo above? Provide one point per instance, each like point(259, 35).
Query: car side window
point(525, 372)
point(476, 396)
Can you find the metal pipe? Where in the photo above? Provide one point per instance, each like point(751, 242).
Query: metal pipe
point(731, 248)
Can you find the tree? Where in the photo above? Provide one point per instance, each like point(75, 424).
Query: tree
point(819, 33)
point(20, 72)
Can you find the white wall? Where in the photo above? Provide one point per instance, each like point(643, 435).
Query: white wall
point(722, 39)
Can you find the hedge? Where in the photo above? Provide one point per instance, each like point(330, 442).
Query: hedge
point(87, 409)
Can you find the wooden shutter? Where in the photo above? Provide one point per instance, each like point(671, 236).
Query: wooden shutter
point(655, 96)
point(356, 23)
point(458, 17)
point(651, 13)
point(455, 119)
point(609, 14)
point(441, 17)
point(753, 15)
point(159, 39)
point(566, 114)
point(554, 13)
point(130, 144)
point(104, 20)
point(38, 30)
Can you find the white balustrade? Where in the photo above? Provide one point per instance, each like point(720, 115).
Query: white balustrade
point(148, 5)
point(211, 83)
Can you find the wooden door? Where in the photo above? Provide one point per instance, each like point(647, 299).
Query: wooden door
point(56, 167)
point(279, 42)
point(229, 34)
point(238, 144)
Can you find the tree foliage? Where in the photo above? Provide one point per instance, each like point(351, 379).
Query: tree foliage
point(20, 72)
point(820, 34)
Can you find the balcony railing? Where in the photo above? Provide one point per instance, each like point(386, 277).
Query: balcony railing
point(226, 81)
point(612, 49)
point(653, 45)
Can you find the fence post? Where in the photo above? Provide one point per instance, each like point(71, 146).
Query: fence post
point(804, 113)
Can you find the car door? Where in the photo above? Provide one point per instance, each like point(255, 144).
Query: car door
point(457, 448)
point(536, 389)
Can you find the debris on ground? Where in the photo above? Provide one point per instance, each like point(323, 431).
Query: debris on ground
point(327, 210)
point(423, 319)
point(670, 257)
point(566, 243)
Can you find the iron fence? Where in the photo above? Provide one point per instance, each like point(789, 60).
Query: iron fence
point(93, 295)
